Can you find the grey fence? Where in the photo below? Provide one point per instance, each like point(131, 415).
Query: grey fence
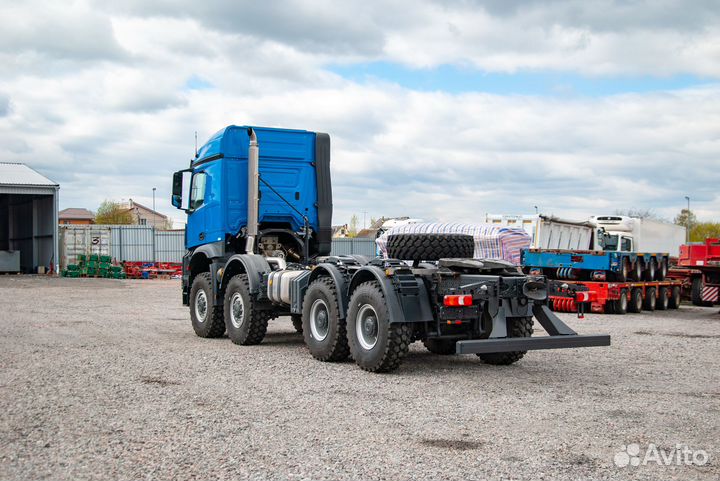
point(345, 246)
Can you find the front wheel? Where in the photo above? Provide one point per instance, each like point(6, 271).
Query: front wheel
point(517, 327)
point(207, 320)
point(376, 344)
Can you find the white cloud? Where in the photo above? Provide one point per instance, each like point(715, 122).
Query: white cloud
point(116, 118)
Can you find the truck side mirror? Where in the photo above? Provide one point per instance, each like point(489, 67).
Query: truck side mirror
point(181, 185)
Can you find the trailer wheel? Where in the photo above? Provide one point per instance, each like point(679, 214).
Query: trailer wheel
point(650, 270)
point(246, 324)
point(696, 293)
point(636, 300)
point(440, 346)
point(324, 331)
point(650, 299)
point(621, 305)
point(297, 322)
point(430, 247)
point(637, 270)
point(376, 344)
point(662, 270)
point(207, 321)
point(663, 300)
point(518, 327)
point(622, 274)
point(675, 298)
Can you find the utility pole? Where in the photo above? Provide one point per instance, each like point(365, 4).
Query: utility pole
point(687, 221)
point(364, 216)
point(154, 216)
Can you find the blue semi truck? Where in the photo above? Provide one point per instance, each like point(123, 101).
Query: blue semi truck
point(258, 241)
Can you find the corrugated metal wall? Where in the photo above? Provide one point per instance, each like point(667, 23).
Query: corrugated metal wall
point(139, 243)
point(345, 246)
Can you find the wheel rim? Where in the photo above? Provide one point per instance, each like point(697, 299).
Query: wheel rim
point(638, 271)
point(367, 327)
point(237, 310)
point(201, 306)
point(638, 300)
point(652, 301)
point(623, 302)
point(319, 320)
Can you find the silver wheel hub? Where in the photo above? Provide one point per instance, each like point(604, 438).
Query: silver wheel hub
point(237, 310)
point(201, 306)
point(319, 320)
point(367, 327)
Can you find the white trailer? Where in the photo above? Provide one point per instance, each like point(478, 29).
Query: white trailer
point(641, 235)
point(549, 232)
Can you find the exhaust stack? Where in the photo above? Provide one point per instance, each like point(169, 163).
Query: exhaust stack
point(253, 192)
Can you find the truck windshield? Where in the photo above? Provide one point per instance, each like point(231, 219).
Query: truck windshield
point(610, 242)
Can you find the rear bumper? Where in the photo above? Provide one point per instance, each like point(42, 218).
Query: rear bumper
point(482, 346)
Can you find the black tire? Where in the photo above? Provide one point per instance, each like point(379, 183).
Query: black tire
point(650, 302)
point(621, 305)
point(675, 298)
point(636, 300)
point(430, 247)
point(376, 344)
point(609, 307)
point(440, 346)
point(324, 331)
point(696, 293)
point(662, 270)
point(663, 300)
point(246, 324)
point(517, 327)
point(622, 275)
point(650, 270)
point(636, 272)
point(207, 321)
point(297, 322)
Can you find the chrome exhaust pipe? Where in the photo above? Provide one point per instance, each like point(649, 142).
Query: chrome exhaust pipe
point(253, 192)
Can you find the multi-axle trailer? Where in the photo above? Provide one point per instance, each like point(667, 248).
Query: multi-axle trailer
point(258, 239)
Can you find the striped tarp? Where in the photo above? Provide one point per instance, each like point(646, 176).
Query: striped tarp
point(491, 241)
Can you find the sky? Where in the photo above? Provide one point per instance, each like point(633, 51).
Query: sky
point(437, 110)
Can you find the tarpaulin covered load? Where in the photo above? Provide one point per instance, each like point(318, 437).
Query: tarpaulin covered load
point(491, 241)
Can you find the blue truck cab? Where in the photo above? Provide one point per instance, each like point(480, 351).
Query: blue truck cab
point(295, 193)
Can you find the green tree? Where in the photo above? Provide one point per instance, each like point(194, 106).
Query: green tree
point(353, 230)
point(111, 212)
point(704, 230)
point(687, 218)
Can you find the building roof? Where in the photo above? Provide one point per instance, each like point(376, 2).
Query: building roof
point(20, 174)
point(134, 204)
point(76, 213)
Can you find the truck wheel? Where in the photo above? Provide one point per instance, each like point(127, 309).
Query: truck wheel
point(207, 321)
point(297, 322)
point(246, 324)
point(324, 332)
point(650, 270)
point(663, 300)
point(662, 270)
point(622, 274)
point(636, 300)
point(519, 327)
point(650, 299)
point(440, 346)
point(637, 270)
point(376, 344)
point(430, 247)
point(696, 293)
point(675, 298)
point(621, 305)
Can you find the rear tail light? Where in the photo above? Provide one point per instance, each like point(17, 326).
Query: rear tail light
point(456, 301)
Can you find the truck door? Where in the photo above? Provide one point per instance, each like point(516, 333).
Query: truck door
point(197, 216)
point(627, 244)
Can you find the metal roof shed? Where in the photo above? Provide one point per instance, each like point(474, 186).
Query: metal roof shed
point(28, 218)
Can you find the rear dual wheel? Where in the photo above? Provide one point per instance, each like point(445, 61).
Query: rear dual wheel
point(325, 332)
point(245, 321)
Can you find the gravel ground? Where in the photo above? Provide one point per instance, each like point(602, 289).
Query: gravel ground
point(104, 379)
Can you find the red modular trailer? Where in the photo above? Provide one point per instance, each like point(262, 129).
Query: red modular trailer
point(618, 297)
point(698, 268)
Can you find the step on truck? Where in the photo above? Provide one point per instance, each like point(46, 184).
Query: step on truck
point(258, 241)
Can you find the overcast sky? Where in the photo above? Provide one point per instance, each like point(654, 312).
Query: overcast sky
point(438, 110)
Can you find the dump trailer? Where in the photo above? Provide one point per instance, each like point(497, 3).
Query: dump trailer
point(258, 247)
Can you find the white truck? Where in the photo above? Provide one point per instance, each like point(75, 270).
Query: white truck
point(629, 234)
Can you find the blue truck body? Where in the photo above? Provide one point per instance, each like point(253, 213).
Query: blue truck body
point(287, 163)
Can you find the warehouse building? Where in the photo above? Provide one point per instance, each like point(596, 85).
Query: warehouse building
point(28, 219)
